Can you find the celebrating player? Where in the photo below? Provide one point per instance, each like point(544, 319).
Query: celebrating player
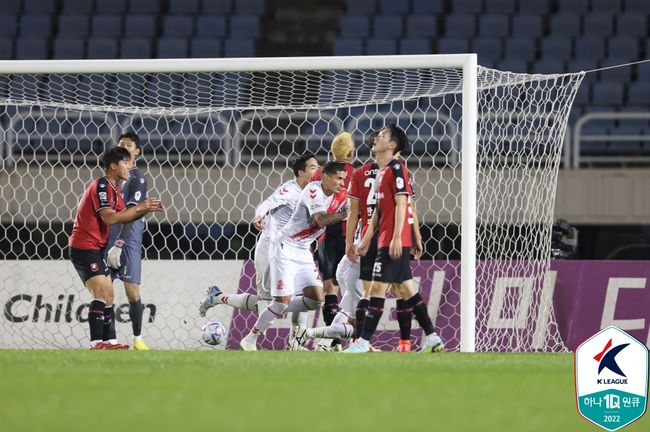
point(394, 218)
point(125, 256)
point(295, 283)
point(271, 216)
point(331, 245)
point(101, 206)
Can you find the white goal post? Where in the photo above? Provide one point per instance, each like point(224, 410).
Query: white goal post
point(487, 146)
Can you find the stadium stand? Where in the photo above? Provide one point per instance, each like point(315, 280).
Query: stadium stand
point(520, 35)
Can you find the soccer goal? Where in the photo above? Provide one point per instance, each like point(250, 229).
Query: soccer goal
point(218, 136)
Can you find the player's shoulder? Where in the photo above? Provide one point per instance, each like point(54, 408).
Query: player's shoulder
point(366, 169)
point(101, 184)
point(398, 168)
point(137, 174)
point(312, 189)
point(397, 165)
point(289, 187)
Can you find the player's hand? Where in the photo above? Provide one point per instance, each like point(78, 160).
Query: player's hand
point(395, 248)
point(417, 250)
point(363, 247)
point(351, 253)
point(258, 223)
point(113, 258)
point(151, 205)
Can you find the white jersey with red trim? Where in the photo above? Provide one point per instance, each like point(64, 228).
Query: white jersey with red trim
point(278, 208)
point(302, 228)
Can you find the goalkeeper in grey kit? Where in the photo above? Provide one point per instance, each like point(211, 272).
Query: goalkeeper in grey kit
point(125, 254)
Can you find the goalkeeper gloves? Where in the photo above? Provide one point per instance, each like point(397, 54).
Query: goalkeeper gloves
point(114, 254)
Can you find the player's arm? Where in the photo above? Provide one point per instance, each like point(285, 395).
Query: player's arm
point(417, 249)
point(395, 248)
point(136, 193)
point(351, 227)
point(324, 219)
point(110, 216)
point(271, 203)
point(363, 247)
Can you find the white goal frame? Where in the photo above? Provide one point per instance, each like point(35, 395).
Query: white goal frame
point(466, 62)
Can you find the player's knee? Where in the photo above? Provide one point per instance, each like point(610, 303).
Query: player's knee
point(132, 292)
point(314, 303)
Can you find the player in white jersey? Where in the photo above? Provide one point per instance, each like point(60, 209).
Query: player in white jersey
point(271, 216)
point(295, 282)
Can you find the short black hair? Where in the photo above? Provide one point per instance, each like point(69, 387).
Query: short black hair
point(132, 136)
point(300, 163)
point(370, 140)
point(333, 167)
point(113, 156)
point(398, 135)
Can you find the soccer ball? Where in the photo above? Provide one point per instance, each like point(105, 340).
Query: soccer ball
point(214, 333)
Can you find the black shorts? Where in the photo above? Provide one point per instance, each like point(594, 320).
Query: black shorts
point(367, 262)
point(330, 252)
point(88, 263)
point(392, 271)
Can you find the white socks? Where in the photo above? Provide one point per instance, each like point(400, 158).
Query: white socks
point(339, 330)
point(239, 301)
point(266, 318)
point(299, 319)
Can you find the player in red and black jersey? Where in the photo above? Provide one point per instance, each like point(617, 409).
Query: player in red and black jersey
point(362, 205)
point(331, 246)
point(394, 219)
point(101, 206)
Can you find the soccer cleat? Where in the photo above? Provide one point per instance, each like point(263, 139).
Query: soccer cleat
point(360, 346)
point(404, 346)
point(373, 349)
point(432, 343)
point(101, 346)
point(109, 346)
point(209, 300)
point(140, 345)
point(249, 342)
point(298, 339)
point(118, 346)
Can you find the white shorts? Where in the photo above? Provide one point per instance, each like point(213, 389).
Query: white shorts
point(347, 274)
point(292, 270)
point(262, 270)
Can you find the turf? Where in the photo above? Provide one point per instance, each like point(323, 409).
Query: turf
point(69, 390)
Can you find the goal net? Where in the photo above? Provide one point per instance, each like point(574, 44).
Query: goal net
point(218, 137)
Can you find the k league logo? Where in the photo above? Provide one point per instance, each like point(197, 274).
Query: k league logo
point(611, 372)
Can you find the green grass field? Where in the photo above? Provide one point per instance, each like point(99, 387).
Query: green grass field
point(287, 391)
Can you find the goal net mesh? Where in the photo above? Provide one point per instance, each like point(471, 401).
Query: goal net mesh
point(214, 145)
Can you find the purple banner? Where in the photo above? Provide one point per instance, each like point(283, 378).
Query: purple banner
point(592, 295)
point(510, 311)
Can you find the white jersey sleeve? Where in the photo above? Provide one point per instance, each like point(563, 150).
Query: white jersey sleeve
point(314, 198)
point(278, 208)
point(286, 193)
point(303, 229)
